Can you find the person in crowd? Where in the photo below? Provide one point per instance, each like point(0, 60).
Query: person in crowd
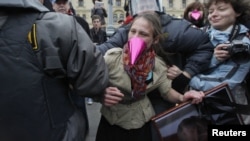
point(42, 66)
point(65, 7)
point(180, 43)
point(101, 11)
point(62, 6)
point(97, 35)
point(193, 128)
point(126, 110)
point(72, 9)
point(128, 19)
point(120, 22)
point(195, 13)
point(191, 56)
point(231, 60)
point(128, 15)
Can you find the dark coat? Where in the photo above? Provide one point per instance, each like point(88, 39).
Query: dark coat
point(36, 103)
point(83, 23)
point(99, 37)
point(48, 4)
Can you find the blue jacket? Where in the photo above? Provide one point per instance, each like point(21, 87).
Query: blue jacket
point(219, 70)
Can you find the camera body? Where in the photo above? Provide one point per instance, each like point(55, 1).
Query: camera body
point(239, 51)
point(237, 46)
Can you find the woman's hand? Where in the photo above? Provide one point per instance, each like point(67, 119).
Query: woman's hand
point(221, 53)
point(196, 96)
point(112, 96)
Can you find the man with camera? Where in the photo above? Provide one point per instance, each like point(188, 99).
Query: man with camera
point(231, 60)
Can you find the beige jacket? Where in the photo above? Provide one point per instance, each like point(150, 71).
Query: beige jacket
point(132, 115)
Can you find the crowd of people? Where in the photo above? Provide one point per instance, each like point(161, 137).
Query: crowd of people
point(153, 62)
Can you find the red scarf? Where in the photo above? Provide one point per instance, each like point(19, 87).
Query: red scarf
point(139, 71)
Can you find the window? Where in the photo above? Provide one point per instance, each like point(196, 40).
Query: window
point(164, 9)
point(171, 4)
point(121, 17)
point(118, 3)
point(80, 3)
point(115, 18)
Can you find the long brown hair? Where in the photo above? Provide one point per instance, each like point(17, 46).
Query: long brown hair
point(154, 19)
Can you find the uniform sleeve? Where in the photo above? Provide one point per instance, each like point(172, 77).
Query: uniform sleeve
point(86, 68)
point(66, 51)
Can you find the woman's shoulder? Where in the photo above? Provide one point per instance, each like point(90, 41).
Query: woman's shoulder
point(113, 54)
point(113, 58)
point(160, 65)
point(113, 51)
point(160, 60)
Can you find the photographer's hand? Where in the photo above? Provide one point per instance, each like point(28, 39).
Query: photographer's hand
point(221, 53)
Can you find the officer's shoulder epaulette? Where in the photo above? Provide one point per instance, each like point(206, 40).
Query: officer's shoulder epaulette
point(32, 38)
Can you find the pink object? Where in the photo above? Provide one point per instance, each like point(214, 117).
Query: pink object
point(136, 47)
point(195, 14)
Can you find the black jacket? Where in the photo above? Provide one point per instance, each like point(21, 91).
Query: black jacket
point(48, 4)
point(83, 23)
point(36, 78)
point(99, 37)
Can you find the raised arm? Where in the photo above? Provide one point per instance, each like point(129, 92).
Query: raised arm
point(117, 40)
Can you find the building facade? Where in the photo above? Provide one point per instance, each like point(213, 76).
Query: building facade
point(83, 9)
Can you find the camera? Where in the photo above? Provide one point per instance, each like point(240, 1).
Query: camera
point(239, 51)
point(237, 46)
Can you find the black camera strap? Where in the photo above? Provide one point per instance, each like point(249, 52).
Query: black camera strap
point(234, 33)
